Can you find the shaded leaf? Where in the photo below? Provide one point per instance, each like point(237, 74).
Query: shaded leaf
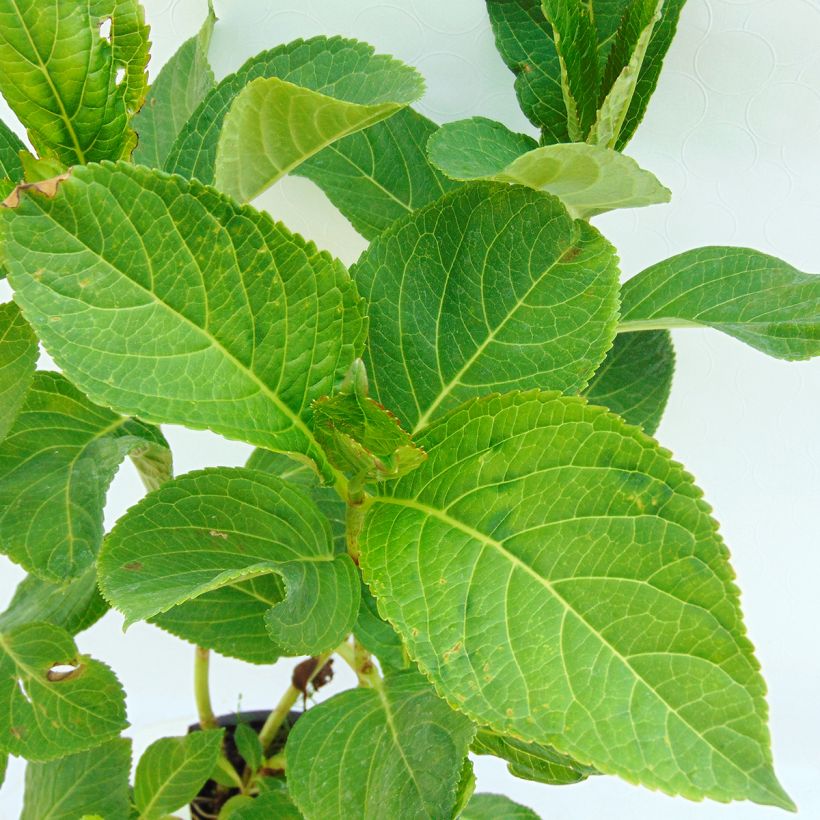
point(381, 174)
point(55, 700)
point(490, 288)
point(756, 298)
point(560, 579)
point(179, 88)
point(377, 636)
point(396, 751)
point(274, 125)
point(466, 787)
point(18, 359)
point(61, 75)
point(172, 771)
point(271, 803)
point(215, 528)
point(588, 179)
point(635, 379)
point(94, 782)
point(249, 746)
point(72, 606)
point(11, 145)
point(531, 761)
point(221, 318)
point(496, 807)
point(56, 464)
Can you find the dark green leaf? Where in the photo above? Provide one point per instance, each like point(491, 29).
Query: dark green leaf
point(11, 145)
point(18, 359)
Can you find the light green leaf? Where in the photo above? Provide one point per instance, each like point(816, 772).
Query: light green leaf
point(36, 169)
point(218, 527)
point(11, 145)
point(73, 606)
point(18, 359)
point(274, 125)
point(560, 579)
point(61, 75)
point(166, 300)
point(531, 761)
point(55, 468)
point(635, 379)
point(466, 787)
point(173, 770)
point(179, 88)
point(94, 782)
point(249, 746)
point(55, 701)
point(576, 42)
point(493, 287)
point(496, 807)
point(381, 174)
point(524, 38)
point(377, 636)
point(588, 179)
point(396, 751)
point(623, 70)
point(756, 298)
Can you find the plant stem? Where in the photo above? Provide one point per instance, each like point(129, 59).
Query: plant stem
point(361, 662)
point(277, 717)
point(202, 660)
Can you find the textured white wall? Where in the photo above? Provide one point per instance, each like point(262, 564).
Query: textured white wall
point(734, 130)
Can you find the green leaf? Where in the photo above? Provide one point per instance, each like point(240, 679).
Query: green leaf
point(576, 41)
point(173, 770)
point(94, 782)
point(377, 636)
point(36, 169)
point(635, 379)
point(493, 287)
point(11, 145)
point(4, 762)
point(201, 312)
point(396, 751)
point(560, 579)
point(588, 179)
point(249, 746)
point(496, 807)
point(218, 527)
point(756, 298)
point(381, 174)
point(55, 468)
point(623, 70)
point(185, 80)
point(466, 787)
point(274, 125)
point(531, 761)
point(524, 39)
point(18, 359)
point(273, 803)
point(61, 75)
point(73, 606)
point(55, 700)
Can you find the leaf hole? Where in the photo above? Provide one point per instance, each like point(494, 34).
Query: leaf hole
point(120, 75)
point(63, 671)
point(105, 29)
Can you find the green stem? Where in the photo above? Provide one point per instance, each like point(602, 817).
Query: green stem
point(361, 662)
point(202, 692)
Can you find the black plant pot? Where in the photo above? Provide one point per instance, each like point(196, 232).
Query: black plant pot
point(213, 796)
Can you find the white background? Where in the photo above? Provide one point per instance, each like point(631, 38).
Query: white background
point(734, 130)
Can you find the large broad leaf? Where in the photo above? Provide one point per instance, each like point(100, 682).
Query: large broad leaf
point(166, 300)
point(531, 761)
point(55, 468)
point(330, 66)
point(18, 359)
point(85, 784)
point(496, 807)
point(560, 579)
point(211, 529)
point(73, 606)
point(173, 770)
point(493, 287)
point(61, 75)
point(756, 298)
point(11, 145)
point(635, 378)
point(588, 179)
point(381, 174)
point(54, 700)
point(274, 124)
point(524, 39)
point(180, 87)
point(395, 751)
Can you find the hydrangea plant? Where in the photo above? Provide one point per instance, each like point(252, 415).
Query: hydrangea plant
point(455, 488)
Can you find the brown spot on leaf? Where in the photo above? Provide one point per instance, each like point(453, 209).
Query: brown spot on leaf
point(133, 566)
point(218, 534)
point(48, 187)
point(573, 253)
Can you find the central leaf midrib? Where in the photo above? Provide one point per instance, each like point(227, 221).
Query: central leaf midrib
point(517, 562)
